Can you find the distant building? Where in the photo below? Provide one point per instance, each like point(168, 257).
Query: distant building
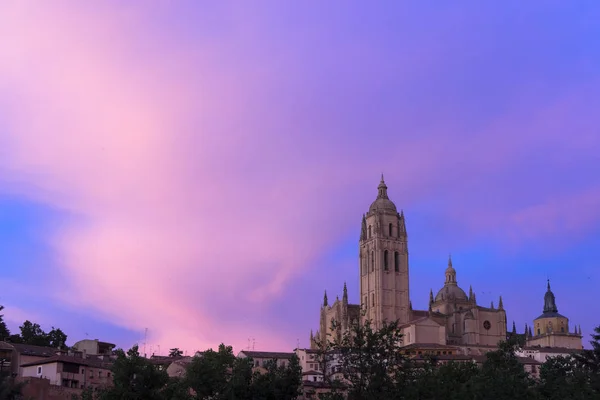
point(94, 347)
point(70, 371)
point(552, 329)
point(12, 355)
point(453, 317)
point(260, 358)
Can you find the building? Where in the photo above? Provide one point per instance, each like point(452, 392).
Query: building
point(551, 329)
point(12, 355)
point(260, 358)
point(70, 371)
point(453, 317)
point(94, 347)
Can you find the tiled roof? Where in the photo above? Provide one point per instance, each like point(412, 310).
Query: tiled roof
point(31, 350)
point(428, 346)
point(88, 362)
point(558, 350)
point(312, 372)
point(267, 354)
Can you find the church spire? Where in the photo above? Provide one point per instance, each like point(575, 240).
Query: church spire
point(450, 273)
point(382, 189)
point(514, 330)
point(549, 301)
point(501, 304)
point(363, 228)
point(325, 299)
point(345, 296)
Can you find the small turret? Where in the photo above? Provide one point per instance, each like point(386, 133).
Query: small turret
point(514, 329)
point(363, 228)
point(492, 305)
point(410, 305)
point(402, 224)
point(549, 301)
point(345, 295)
point(430, 297)
point(501, 305)
point(325, 299)
point(526, 332)
point(530, 334)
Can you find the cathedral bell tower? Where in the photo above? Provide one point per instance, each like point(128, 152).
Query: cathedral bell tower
point(383, 262)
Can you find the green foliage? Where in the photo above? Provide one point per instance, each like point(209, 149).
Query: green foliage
point(209, 375)
point(9, 390)
point(562, 378)
point(135, 378)
point(32, 333)
point(279, 382)
point(589, 360)
point(370, 359)
point(4, 332)
point(175, 352)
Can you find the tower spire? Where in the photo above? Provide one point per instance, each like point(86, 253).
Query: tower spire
point(325, 299)
point(363, 228)
point(345, 296)
point(501, 304)
point(382, 189)
point(549, 301)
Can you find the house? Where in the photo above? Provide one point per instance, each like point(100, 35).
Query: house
point(94, 347)
point(178, 368)
point(541, 354)
point(261, 358)
point(12, 355)
point(70, 371)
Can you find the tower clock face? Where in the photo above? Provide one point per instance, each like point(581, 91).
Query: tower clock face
point(487, 325)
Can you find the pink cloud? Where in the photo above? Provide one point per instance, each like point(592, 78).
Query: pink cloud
point(189, 191)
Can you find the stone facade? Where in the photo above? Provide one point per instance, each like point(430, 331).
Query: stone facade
point(453, 317)
point(551, 329)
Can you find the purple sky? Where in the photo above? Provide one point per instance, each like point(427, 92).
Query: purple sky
point(201, 170)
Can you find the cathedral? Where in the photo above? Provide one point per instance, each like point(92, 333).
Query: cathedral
point(454, 321)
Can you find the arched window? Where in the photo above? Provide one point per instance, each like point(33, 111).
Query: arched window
point(372, 261)
point(362, 264)
point(396, 261)
point(385, 260)
point(391, 231)
point(365, 302)
point(369, 231)
point(373, 299)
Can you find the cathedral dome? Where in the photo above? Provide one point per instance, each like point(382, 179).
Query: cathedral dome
point(451, 291)
point(383, 202)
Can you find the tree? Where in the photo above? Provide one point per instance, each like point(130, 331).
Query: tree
point(279, 382)
point(589, 360)
point(208, 376)
point(563, 378)
point(503, 377)
point(4, 332)
point(371, 359)
point(9, 390)
point(32, 333)
point(57, 338)
point(134, 377)
point(175, 352)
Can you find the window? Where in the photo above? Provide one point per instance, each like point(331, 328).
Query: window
point(373, 299)
point(369, 231)
point(538, 331)
point(385, 260)
point(391, 231)
point(396, 261)
point(372, 261)
point(365, 302)
point(39, 370)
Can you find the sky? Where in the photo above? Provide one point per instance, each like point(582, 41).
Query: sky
point(200, 169)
